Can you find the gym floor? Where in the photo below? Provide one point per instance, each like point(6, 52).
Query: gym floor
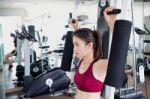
point(7, 77)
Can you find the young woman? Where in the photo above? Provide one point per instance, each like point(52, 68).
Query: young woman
point(92, 68)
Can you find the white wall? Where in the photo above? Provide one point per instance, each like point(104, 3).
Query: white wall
point(12, 12)
point(9, 25)
point(54, 26)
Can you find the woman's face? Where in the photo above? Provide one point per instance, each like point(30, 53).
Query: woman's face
point(80, 47)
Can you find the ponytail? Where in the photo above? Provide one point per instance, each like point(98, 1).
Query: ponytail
point(97, 46)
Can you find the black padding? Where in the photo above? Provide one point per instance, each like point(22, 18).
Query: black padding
point(70, 15)
point(31, 30)
point(33, 56)
point(20, 72)
point(39, 87)
point(118, 53)
point(27, 81)
point(67, 53)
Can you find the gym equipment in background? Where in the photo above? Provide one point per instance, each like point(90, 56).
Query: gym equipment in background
point(32, 57)
point(36, 67)
point(143, 56)
point(42, 64)
point(51, 81)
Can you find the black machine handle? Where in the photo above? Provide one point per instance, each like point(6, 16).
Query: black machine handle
point(19, 35)
point(44, 47)
point(12, 35)
point(114, 11)
point(146, 29)
point(27, 35)
point(139, 31)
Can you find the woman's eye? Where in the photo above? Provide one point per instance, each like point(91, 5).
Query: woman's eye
point(77, 44)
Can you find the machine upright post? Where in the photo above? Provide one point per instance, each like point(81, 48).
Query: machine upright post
point(27, 57)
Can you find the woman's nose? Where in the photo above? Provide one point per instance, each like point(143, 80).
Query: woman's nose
point(74, 49)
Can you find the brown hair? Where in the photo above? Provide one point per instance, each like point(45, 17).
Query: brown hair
point(88, 36)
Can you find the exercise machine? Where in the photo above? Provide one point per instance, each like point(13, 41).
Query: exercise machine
point(53, 81)
point(117, 61)
point(21, 37)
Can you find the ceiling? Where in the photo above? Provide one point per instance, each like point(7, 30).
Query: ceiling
point(11, 6)
point(22, 7)
point(24, 3)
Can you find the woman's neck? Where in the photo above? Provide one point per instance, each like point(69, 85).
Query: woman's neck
point(88, 59)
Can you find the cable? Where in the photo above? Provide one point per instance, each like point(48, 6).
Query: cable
point(134, 52)
point(143, 55)
point(143, 50)
point(143, 26)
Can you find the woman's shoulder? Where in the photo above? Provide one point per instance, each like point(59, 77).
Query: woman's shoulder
point(101, 64)
point(101, 61)
point(100, 69)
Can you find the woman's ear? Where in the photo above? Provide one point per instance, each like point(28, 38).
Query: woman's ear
point(90, 45)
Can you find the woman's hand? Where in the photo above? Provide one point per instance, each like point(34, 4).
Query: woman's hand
point(110, 19)
point(74, 24)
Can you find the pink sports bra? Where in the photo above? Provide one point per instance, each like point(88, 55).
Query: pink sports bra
point(86, 81)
